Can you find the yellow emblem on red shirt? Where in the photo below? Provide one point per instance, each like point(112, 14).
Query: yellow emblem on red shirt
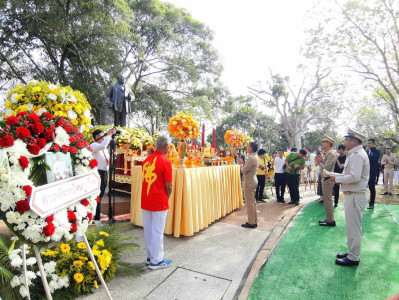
point(148, 174)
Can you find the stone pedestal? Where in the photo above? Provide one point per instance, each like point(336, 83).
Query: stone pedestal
point(106, 115)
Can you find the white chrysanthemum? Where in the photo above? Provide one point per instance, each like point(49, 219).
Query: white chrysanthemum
point(7, 200)
point(52, 97)
point(85, 162)
point(82, 128)
point(72, 115)
point(64, 281)
point(8, 112)
point(13, 159)
point(61, 137)
point(4, 177)
point(13, 98)
point(18, 193)
point(17, 261)
point(71, 98)
point(86, 152)
point(80, 170)
point(31, 261)
point(15, 281)
point(29, 106)
point(86, 113)
point(50, 267)
point(23, 291)
point(81, 210)
point(52, 86)
point(3, 170)
point(81, 155)
point(41, 110)
point(31, 275)
point(19, 146)
point(11, 217)
point(33, 232)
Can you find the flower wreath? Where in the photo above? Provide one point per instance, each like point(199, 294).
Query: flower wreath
point(24, 139)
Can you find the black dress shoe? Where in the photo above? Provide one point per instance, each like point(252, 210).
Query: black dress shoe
point(386, 193)
point(291, 202)
point(390, 194)
point(322, 221)
point(297, 203)
point(342, 255)
point(325, 223)
point(370, 207)
point(261, 200)
point(247, 225)
point(346, 262)
point(335, 205)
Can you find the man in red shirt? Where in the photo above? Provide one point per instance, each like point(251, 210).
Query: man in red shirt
point(155, 193)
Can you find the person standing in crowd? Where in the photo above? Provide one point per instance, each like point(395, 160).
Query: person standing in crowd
point(261, 175)
point(249, 170)
point(374, 155)
point(327, 163)
point(294, 163)
point(279, 177)
point(339, 168)
point(155, 193)
point(354, 182)
point(388, 161)
point(100, 153)
point(318, 158)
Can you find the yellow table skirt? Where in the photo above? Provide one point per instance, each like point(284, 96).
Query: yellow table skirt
point(199, 197)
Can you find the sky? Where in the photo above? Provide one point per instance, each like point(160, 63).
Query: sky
point(252, 36)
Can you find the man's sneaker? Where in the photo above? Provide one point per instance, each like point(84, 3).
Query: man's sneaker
point(148, 261)
point(163, 264)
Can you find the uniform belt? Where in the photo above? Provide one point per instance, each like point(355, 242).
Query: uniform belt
point(354, 193)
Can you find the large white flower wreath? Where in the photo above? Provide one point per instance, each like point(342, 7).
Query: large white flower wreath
point(24, 139)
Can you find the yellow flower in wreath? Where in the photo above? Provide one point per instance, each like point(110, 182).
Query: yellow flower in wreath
point(95, 284)
point(65, 248)
point(77, 264)
point(91, 265)
point(81, 245)
point(104, 233)
point(100, 243)
point(78, 277)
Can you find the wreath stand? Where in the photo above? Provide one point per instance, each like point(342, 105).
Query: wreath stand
point(43, 274)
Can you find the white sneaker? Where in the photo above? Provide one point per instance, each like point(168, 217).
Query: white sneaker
point(103, 215)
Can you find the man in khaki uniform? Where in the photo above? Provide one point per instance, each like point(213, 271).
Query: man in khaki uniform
point(354, 181)
point(249, 170)
point(389, 162)
point(327, 163)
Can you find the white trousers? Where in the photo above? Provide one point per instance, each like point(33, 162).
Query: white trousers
point(354, 206)
point(388, 179)
point(154, 226)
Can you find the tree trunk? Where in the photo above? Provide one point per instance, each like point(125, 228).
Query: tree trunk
point(298, 142)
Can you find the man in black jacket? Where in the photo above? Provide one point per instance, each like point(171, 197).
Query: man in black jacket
point(374, 155)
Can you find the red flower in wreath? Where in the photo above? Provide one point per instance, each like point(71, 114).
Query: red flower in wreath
point(73, 150)
point(60, 122)
point(23, 162)
point(33, 118)
point(68, 128)
point(50, 219)
point(90, 216)
point(34, 149)
point(85, 202)
point(56, 147)
point(41, 142)
point(73, 228)
point(22, 133)
point(37, 127)
point(21, 113)
point(93, 163)
point(64, 148)
point(6, 141)
point(98, 199)
point(71, 216)
point(48, 134)
point(28, 190)
point(49, 229)
point(48, 115)
point(22, 206)
point(12, 120)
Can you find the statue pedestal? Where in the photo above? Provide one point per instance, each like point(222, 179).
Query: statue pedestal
point(106, 115)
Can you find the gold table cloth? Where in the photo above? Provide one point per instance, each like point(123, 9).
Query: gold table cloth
point(199, 197)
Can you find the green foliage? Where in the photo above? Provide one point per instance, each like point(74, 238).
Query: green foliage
point(7, 272)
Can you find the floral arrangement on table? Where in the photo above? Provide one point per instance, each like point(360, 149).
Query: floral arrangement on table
point(228, 159)
point(184, 126)
point(24, 139)
point(221, 153)
point(234, 138)
point(41, 96)
point(68, 267)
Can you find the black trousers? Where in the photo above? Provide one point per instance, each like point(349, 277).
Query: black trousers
point(280, 183)
point(293, 185)
point(261, 187)
point(372, 188)
point(336, 193)
point(104, 178)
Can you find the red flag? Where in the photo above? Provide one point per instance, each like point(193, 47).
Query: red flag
point(288, 149)
point(203, 135)
point(214, 138)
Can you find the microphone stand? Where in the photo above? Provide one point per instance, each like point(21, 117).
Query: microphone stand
point(111, 181)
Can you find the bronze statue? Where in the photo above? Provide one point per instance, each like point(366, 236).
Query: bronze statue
point(118, 96)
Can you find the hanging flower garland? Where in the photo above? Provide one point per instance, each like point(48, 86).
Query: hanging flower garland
point(24, 138)
point(184, 126)
point(41, 96)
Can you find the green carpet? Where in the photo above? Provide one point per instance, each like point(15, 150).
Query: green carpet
point(302, 266)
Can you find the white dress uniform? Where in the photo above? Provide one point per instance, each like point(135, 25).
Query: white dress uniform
point(354, 182)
